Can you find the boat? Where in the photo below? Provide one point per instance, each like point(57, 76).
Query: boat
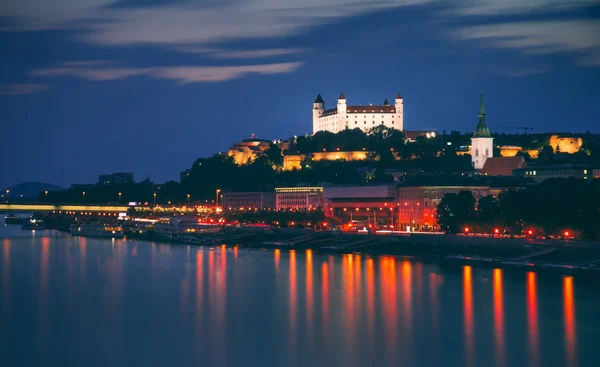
point(13, 219)
point(33, 224)
point(174, 228)
point(103, 230)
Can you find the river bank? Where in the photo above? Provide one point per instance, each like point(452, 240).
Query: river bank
point(563, 256)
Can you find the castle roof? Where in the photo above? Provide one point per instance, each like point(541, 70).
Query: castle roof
point(319, 99)
point(342, 96)
point(398, 96)
point(371, 109)
point(386, 103)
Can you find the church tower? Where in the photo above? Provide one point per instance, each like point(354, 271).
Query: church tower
point(482, 143)
point(318, 109)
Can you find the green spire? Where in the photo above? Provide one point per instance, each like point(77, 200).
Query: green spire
point(482, 131)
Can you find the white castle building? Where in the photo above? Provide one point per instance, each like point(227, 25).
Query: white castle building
point(357, 116)
point(482, 143)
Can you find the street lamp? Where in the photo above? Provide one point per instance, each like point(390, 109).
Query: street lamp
point(154, 199)
point(188, 196)
point(46, 192)
point(120, 197)
point(217, 201)
point(83, 195)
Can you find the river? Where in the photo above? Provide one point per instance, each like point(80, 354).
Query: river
point(68, 301)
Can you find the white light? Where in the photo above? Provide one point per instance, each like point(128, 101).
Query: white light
point(449, 143)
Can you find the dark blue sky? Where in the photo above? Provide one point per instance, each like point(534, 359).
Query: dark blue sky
point(149, 86)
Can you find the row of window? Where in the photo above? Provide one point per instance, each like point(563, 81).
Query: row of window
point(356, 122)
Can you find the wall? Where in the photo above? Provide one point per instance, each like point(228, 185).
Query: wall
point(565, 144)
point(294, 160)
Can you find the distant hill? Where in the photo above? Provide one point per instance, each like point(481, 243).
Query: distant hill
point(30, 189)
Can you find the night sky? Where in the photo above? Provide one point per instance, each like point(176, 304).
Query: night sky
point(88, 86)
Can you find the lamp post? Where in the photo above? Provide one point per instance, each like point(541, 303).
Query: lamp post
point(217, 201)
point(154, 199)
point(188, 196)
point(46, 192)
point(120, 197)
point(83, 195)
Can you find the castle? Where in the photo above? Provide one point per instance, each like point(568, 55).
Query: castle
point(357, 116)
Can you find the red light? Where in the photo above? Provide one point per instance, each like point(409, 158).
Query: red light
point(530, 232)
point(496, 230)
point(567, 233)
point(370, 226)
point(466, 229)
point(324, 224)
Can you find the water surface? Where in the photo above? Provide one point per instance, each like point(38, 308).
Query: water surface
point(95, 302)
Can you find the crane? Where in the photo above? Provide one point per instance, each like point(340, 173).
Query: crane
point(525, 129)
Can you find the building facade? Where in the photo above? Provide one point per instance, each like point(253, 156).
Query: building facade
point(345, 116)
point(116, 178)
point(248, 149)
point(298, 198)
point(418, 204)
point(482, 143)
point(543, 171)
point(248, 201)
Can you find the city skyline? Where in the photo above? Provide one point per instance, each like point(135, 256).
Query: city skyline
point(115, 86)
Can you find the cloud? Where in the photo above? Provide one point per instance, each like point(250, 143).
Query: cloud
point(504, 7)
point(523, 72)
point(186, 22)
point(20, 89)
point(182, 74)
point(241, 54)
point(540, 37)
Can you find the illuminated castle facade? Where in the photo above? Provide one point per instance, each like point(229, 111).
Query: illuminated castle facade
point(345, 116)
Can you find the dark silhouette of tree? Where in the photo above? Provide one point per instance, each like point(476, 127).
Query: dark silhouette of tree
point(456, 211)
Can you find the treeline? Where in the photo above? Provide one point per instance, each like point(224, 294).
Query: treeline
point(553, 207)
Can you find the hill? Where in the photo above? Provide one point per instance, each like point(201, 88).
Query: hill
point(30, 189)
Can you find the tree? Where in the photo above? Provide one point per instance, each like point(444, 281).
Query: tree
point(488, 213)
point(455, 211)
point(274, 155)
point(546, 153)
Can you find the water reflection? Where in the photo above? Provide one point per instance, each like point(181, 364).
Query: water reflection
point(293, 307)
point(277, 254)
point(5, 302)
point(407, 308)
point(325, 299)
point(388, 290)
point(569, 312)
point(532, 318)
point(369, 311)
point(43, 297)
point(468, 314)
point(498, 318)
point(371, 297)
point(309, 299)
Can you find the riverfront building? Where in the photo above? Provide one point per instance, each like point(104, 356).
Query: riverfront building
point(345, 116)
point(248, 200)
point(298, 198)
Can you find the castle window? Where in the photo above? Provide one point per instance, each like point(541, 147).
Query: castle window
point(355, 122)
point(476, 152)
point(392, 122)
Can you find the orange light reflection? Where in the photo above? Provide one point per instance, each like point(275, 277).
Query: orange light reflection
point(532, 318)
point(498, 317)
point(309, 298)
point(468, 314)
point(569, 311)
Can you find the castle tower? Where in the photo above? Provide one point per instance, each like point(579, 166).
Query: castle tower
point(482, 143)
point(342, 122)
point(318, 109)
point(399, 105)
